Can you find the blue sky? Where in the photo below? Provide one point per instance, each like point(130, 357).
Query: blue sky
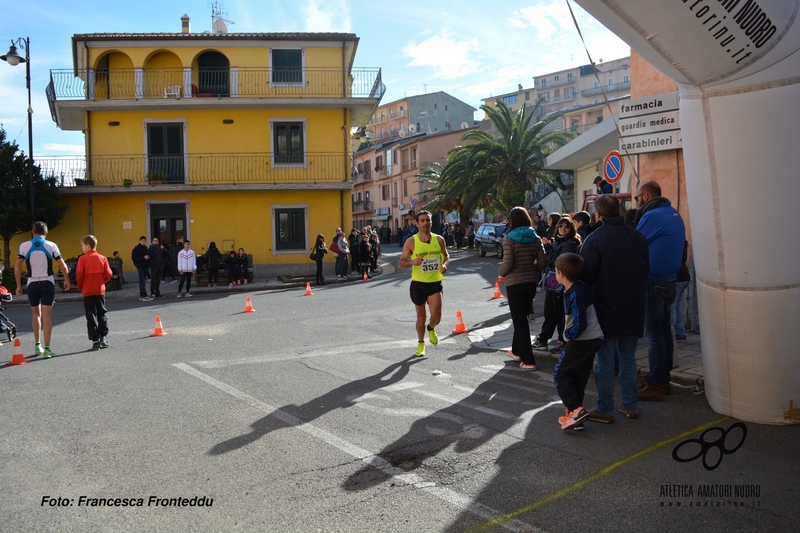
point(469, 48)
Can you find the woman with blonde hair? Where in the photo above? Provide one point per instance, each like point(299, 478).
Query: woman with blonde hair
point(319, 253)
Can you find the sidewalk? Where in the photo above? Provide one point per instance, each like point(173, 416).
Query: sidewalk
point(688, 355)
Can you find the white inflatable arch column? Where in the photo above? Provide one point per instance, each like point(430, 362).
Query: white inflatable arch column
point(737, 64)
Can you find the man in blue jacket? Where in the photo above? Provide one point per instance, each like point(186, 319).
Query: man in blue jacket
point(616, 262)
point(663, 228)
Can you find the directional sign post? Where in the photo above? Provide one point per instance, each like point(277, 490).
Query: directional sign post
point(613, 167)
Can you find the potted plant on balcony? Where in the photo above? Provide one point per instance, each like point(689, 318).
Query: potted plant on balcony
point(81, 182)
point(127, 183)
point(156, 177)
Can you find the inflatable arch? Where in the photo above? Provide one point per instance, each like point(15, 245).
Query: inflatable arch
point(737, 64)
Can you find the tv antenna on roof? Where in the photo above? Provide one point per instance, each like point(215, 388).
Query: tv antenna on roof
point(219, 24)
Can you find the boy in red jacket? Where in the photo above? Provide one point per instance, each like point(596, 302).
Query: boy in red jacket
point(93, 273)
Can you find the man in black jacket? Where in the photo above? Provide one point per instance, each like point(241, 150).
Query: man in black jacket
point(156, 268)
point(141, 260)
point(616, 262)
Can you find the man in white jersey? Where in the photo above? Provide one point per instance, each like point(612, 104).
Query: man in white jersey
point(38, 254)
point(427, 256)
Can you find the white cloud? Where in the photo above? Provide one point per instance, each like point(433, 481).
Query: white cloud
point(448, 58)
point(332, 16)
point(548, 20)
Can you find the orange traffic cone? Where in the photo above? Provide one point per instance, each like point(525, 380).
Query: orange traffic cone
point(496, 292)
point(460, 327)
point(159, 331)
point(248, 308)
point(17, 358)
point(366, 278)
point(308, 290)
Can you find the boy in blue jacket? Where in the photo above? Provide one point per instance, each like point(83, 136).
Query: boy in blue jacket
point(584, 337)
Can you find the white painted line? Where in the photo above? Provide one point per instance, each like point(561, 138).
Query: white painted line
point(447, 495)
point(347, 349)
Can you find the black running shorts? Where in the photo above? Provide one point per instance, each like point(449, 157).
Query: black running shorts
point(420, 291)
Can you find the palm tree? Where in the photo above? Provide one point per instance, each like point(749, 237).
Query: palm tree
point(495, 172)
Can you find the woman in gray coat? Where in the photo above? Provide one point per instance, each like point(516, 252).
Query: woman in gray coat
point(523, 254)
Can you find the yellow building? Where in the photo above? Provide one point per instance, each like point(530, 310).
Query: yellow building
point(242, 139)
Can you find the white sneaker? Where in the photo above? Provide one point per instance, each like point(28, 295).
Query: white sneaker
point(188, 295)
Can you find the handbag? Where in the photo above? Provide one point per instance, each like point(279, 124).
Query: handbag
point(313, 255)
point(551, 282)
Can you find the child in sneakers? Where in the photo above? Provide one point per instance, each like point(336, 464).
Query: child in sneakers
point(584, 337)
point(93, 272)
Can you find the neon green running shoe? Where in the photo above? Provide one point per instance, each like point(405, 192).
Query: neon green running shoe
point(421, 349)
point(48, 353)
point(433, 337)
point(38, 350)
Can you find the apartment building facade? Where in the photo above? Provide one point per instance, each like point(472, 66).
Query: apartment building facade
point(425, 113)
point(386, 189)
point(242, 139)
point(576, 92)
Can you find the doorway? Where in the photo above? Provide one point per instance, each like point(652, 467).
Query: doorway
point(168, 223)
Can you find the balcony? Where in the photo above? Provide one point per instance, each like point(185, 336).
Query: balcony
point(399, 114)
point(362, 207)
point(607, 88)
point(83, 90)
point(133, 171)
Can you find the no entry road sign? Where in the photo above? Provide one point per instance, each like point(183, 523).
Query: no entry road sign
point(613, 166)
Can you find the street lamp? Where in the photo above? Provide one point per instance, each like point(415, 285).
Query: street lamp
point(13, 58)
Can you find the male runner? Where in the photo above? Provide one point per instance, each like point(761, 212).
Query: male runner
point(427, 256)
point(39, 253)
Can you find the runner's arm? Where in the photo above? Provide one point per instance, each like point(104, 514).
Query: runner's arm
point(64, 272)
point(445, 254)
point(405, 260)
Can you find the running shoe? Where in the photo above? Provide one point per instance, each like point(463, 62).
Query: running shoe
point(96, 346)
point(48, 353)
point(574, 418)
point(539, 345)
point(433, 337)
point(420, 349)
point(38, 350)
point(188, 295)
point(104, 342)
point(180, 295)
point(557, 347)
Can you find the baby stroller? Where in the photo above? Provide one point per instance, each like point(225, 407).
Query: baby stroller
point(7, 328)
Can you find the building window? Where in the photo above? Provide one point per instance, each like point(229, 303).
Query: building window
point(367, 169)
point(384, 192)
point(404, 160)
point(544, 82)
point(288, 145)
point(596, 85)
point(165, 153)
point(527, 95)
point(546, 96)
point(378, 163)
point(556, 94)
point(556, 78)
point(625, 79)
point(414, 157)
point(569, 77)
point(610, 82)
point(287, 66)
point(508, 100)
point(290, 229)
point(405, 188)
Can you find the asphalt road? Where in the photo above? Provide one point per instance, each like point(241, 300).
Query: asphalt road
point(312, 414)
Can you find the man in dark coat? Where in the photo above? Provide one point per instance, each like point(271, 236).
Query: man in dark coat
point(156, 268)
point(141, 260)
point(616, 262)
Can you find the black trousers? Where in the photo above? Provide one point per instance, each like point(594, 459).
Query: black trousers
point(96, 317)
point(213, 274)
point(553, 316)
point(320, 277)
point(520, 298)
point(572, 370)
point(187, 277)
point(155, 281)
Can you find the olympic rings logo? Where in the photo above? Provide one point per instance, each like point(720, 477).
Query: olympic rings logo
point(708, 445)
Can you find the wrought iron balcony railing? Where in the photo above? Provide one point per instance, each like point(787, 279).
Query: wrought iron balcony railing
point(136, 84)
point(195, 169)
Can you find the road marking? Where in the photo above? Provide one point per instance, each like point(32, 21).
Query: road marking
point(346, 349)
point(594, 477)
point(447, 495)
